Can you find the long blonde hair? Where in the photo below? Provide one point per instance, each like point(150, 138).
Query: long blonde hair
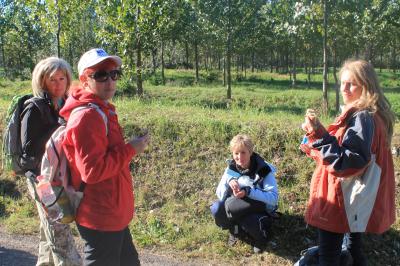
point(372, 97)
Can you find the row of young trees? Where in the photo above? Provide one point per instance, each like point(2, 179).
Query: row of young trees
point(279, 35)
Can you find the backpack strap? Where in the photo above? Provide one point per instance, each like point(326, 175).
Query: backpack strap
point(95, 107)
point(105, 119)
point(41, 103)
point(103, 115)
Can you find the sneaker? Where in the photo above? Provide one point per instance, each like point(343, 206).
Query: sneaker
point(232, 240)
point(345, 258)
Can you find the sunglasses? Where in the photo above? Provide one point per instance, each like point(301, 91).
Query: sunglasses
point(102, 76)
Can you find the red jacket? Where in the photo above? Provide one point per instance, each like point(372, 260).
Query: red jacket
point(101, 160)
point(353, 185)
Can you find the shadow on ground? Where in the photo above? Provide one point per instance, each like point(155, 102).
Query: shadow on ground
point(13, 257)
point(290, 235)
point(9, 188)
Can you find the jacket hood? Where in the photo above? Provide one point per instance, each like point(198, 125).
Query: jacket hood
point(79, 97)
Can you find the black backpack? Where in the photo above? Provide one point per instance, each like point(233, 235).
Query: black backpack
point(12, 147)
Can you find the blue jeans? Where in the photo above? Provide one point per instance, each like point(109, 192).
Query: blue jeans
point(330, 247)
point(108, 248)
point(252, 224)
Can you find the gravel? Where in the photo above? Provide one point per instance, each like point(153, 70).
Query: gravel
point(21, 250)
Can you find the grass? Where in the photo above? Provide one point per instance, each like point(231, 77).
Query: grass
point(175, 179)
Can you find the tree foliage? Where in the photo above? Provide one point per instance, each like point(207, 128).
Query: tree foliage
point(200, 34)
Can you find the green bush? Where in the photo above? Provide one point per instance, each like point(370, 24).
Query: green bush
point(211, 76)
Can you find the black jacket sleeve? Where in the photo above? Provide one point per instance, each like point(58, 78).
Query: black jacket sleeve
point(37, 124)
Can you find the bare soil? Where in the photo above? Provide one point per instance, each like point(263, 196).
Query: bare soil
point(21, 250)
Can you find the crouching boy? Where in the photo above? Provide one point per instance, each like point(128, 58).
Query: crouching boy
point(248, 195)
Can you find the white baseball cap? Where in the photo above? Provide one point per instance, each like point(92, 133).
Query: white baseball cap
point(95, 56)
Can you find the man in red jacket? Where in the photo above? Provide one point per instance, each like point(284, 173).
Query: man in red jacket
point(99, 158)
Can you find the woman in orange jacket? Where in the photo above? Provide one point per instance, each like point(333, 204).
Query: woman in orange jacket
point(353, 186)
point(99, 157)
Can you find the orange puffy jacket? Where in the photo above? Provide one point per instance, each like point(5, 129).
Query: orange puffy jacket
point(353, 186)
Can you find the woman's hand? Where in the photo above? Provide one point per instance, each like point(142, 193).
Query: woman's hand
point(240, 194)
point(237, 192)
point(311, 122)
point(140, 143)
point(234, 185)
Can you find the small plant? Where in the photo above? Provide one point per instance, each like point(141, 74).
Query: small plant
point(126, 86)
point(155, 80)
point(211, 76)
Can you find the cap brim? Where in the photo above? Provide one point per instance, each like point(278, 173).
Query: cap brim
point(114, 58)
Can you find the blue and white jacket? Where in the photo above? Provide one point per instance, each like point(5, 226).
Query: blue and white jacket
point(260, 178)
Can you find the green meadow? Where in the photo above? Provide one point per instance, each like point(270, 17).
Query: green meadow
point(175, 179)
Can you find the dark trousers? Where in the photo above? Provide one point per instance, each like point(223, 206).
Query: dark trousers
point(253, 224)
point(330, 247)
point(108, 248)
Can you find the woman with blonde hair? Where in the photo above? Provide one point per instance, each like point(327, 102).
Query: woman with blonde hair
point(51, 80)
point(353, 187)
point(247, 195)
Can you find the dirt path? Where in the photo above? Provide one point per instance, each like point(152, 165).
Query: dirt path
point(21, 250)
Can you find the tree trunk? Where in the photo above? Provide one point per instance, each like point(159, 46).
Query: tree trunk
point(394, 57)
point(162, 62)
point(153, 57)
point(196, 58)
point(287, 56)
point(252, 61)
point(224, 81)
point(139, 82)
point(294, 70)
point(272, 61)
point(187, 55)
point(206, 61)
point(171, 54)
point(336, 79)
point(313, 66)
point(325, 74)
point(58, 29)
point(242, 63)
point(237, 66)
point(228, 67)
point(70, 52)
point(245, 66)
point(3, 56)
